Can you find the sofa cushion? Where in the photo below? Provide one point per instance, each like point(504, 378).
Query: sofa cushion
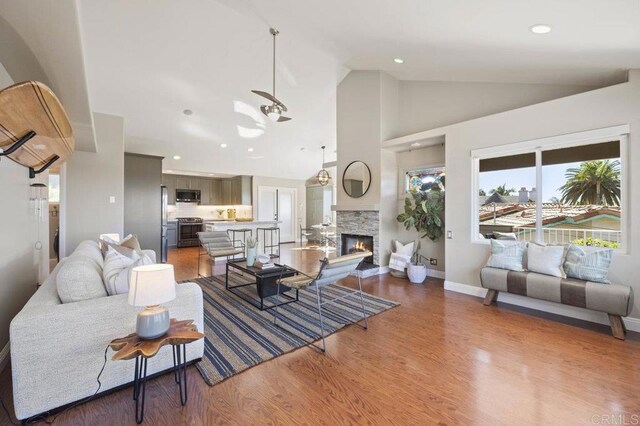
point(588, 263)
point(547, 260)
point(507, 255)
point(117, 269)
point(79, 278)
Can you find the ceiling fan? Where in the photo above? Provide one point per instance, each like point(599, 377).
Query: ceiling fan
point(275, 110)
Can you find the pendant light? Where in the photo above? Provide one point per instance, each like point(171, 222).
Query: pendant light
point(323, 175)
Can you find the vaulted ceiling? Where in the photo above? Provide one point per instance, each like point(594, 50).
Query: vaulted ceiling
point(148, 61)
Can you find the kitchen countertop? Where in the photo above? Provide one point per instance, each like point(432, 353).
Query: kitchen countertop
point(235, 223)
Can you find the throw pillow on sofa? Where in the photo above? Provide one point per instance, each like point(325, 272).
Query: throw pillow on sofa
point(79, 278)
point(507, 255)
point(117, 269)
point(125, 246)
point(588, 263)
point(548, 260)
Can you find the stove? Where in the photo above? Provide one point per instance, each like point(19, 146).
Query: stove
point(188, 228)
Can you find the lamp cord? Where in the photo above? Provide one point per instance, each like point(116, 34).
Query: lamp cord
point(44, 416)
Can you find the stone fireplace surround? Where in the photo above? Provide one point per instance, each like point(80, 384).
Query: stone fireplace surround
point(359, 222)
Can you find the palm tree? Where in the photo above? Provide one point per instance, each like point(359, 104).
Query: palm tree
point(594, 182)
point(502, 190)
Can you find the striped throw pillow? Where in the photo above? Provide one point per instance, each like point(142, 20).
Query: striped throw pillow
point(588, 263)
point(507, 255)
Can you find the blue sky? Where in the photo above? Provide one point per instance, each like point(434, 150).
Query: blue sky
point(552, 179)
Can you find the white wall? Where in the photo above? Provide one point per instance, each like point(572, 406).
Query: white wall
point(610, 106)
point(89, 180)
point(414, 159)
point(431, 104)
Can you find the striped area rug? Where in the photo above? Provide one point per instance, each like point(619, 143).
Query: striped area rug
point(239, 335)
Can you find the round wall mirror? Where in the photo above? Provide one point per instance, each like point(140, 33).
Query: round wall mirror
point(356, 179)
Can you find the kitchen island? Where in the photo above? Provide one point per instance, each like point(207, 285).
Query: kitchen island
point(227, 225)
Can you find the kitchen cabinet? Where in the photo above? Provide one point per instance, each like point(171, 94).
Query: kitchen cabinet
point(226, 192)
point(204, 185)
point(216, 192)
point(183, 182)
point(172, 233)
point(213, 191)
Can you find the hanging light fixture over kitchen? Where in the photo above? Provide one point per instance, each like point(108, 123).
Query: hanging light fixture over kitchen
point(323, 175)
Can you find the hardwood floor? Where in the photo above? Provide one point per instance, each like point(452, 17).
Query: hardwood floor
point(440, 357)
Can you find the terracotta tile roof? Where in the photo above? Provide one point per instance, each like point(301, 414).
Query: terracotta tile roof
point(524, 215)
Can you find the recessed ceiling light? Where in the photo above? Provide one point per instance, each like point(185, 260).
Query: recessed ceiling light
point(398, 61)
point(176, 157)
point(223, 145)
point(212, 174)
point(250, 149)
point(187, 112)
point(540, 29)
point(169, 171)
point(415, 144)
point(40, 146)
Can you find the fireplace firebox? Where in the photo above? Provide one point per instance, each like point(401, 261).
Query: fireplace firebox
point(353, 243)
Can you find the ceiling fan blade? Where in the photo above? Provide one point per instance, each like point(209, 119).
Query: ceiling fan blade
point(271, 98)
point(283, 118)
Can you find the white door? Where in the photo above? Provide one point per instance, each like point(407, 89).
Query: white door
point(286, 214)
point(267, 199)
point(279, 204)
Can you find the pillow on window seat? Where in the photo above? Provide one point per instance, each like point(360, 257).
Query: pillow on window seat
point(548, 260)
point(588, 263)
point(507, 255)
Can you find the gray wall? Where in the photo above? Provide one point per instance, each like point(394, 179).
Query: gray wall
point(88, 181)
point(142, 205)
point(18, 271)
point(18, 258)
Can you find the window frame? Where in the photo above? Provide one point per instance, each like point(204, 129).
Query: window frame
point(403, 190)
point(537, 146)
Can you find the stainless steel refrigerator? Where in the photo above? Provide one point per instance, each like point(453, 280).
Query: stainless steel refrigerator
point(164, 246)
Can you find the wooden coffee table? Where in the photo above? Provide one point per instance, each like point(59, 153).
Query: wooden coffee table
point(179, 335)
point(265, 282)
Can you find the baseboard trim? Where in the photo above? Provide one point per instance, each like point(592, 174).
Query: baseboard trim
point(435, 273)
point(4, 356)
point(632, 324)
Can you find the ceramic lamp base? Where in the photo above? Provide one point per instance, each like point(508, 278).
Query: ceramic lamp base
point(152, 322)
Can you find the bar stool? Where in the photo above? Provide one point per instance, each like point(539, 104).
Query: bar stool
point(269, 248)
point(240, 242)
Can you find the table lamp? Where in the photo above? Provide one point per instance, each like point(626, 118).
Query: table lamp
point(150, 286)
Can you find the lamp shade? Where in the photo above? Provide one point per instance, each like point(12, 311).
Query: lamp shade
point(152, 285)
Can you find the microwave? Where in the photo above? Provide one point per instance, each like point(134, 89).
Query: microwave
point(188, 196)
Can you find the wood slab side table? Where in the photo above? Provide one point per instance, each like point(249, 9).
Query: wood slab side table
point(179, 335)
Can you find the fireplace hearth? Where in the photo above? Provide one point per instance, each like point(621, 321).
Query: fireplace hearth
point(353, 243)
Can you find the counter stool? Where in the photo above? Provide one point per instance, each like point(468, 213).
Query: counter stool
point(240, 242)
point(273, 233)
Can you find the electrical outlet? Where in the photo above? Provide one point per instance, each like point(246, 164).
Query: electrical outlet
point(449, 235)
point(433, 261)
point(112, 199)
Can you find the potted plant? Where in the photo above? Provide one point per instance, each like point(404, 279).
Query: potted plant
point(416, 270)
point(252, 249)
point(423, 210)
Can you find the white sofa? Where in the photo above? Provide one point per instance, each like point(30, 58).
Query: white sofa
point(57, 349)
